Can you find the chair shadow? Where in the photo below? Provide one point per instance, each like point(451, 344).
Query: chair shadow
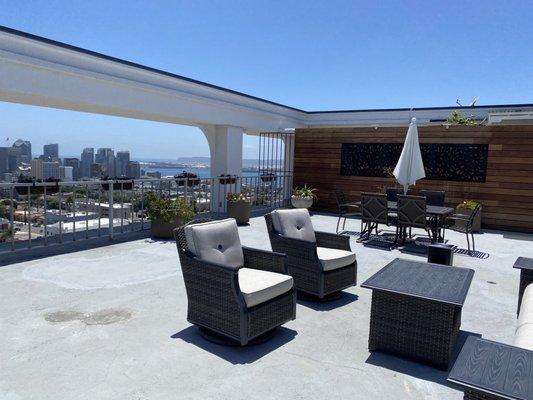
point(237, 354)
point(328, 305)
point(476, 254)
point(419, 370)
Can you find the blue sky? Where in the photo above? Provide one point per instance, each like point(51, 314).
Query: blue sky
point(315, 55)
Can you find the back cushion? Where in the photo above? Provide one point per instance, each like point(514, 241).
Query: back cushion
point(216, 242)
point(295, 224)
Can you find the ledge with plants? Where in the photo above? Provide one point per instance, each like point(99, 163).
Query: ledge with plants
point(50, 189)
point(119, 183)
point(187, 178)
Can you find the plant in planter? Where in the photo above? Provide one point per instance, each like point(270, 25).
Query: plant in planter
point(466, 208)
point(23, 190)
point(189, 177)
point(166, 214)
point(303, 197)
point(239, 206)
point(119, 183)
point(227, 179)
point(268, 177)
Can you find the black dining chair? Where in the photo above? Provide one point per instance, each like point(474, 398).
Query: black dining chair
point(411, 214)
point(374, 211)
point(345, 209)
point(433, 197)
point(392, 193)
point(466, 225)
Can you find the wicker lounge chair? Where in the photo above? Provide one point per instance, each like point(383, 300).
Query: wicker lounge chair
point(321, 263)
point(233, 291)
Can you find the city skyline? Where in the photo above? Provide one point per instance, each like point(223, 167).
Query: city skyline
point(370, 55)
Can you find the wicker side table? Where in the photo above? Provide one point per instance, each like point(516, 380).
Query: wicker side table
point(416, 310)
point(493, 371)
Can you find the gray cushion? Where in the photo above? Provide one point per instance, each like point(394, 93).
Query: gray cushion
point(333, 258)
point(294, 224)
point(216, 241)
point(526, 307)
point(258, 286)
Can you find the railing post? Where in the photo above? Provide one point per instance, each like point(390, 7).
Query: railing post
point(111, 208)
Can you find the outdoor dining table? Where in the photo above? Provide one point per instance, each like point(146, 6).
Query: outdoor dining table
point(438, 213)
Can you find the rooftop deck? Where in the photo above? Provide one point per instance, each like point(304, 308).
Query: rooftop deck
point(111, 323)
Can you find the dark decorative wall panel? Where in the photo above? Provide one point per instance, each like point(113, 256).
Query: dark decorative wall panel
point(442, 161)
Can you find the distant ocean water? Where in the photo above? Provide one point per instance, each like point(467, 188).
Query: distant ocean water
point(201, 172)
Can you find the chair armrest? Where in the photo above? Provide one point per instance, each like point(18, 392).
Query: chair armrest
point(264, 260)
point(350, 205)
point(332, 240)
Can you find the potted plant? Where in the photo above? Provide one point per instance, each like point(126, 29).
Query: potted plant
point(303, 197)
point(119, 183)
point(227, 179)
point(166, 214)
point(466, 208)
point(189, 177)
point(239, 206)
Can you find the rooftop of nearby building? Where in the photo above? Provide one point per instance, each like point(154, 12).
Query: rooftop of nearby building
point(111, 322)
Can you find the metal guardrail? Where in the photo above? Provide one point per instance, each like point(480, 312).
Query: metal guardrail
point(41, 214)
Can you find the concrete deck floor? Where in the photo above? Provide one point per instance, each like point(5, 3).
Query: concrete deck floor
point(109, 323)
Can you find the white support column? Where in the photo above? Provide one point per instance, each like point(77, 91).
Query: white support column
point(225, 145)
point(288, 166)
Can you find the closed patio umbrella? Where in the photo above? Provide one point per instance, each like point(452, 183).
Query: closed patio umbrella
point(410, 166)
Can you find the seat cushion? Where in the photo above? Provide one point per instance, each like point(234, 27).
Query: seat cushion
point(524, 337)
point(216, 241)
point(259, 286)
point(526, 307)
point(333, 258)
point(295, 224)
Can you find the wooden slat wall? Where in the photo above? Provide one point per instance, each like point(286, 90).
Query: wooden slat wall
point(506, 196)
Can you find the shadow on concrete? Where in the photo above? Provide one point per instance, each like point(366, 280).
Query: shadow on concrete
point(327, 305)
point(237, 354)
point(419, 370)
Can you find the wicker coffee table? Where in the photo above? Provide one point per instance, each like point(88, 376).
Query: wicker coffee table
point(416, 309)
point(493, 371)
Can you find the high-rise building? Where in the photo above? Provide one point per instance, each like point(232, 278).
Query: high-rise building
point(106, 157)
point(37, 168)
point(96, 170)
point(87, 159)
point(44, 169)
point(123, 158)
point(4, 160)
point(25, 150)
point(75, 164)
point(13, 156)
point(66, 173)
point(51, 152)
point(133, 170)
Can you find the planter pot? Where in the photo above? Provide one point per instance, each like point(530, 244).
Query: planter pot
point(164, 230)
point(268, 178)
point(476, 226)
point(126, 185)
point(227, 180)
point(190, 181)
point(23, 191)
point(301, 202)
point(240, 210)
